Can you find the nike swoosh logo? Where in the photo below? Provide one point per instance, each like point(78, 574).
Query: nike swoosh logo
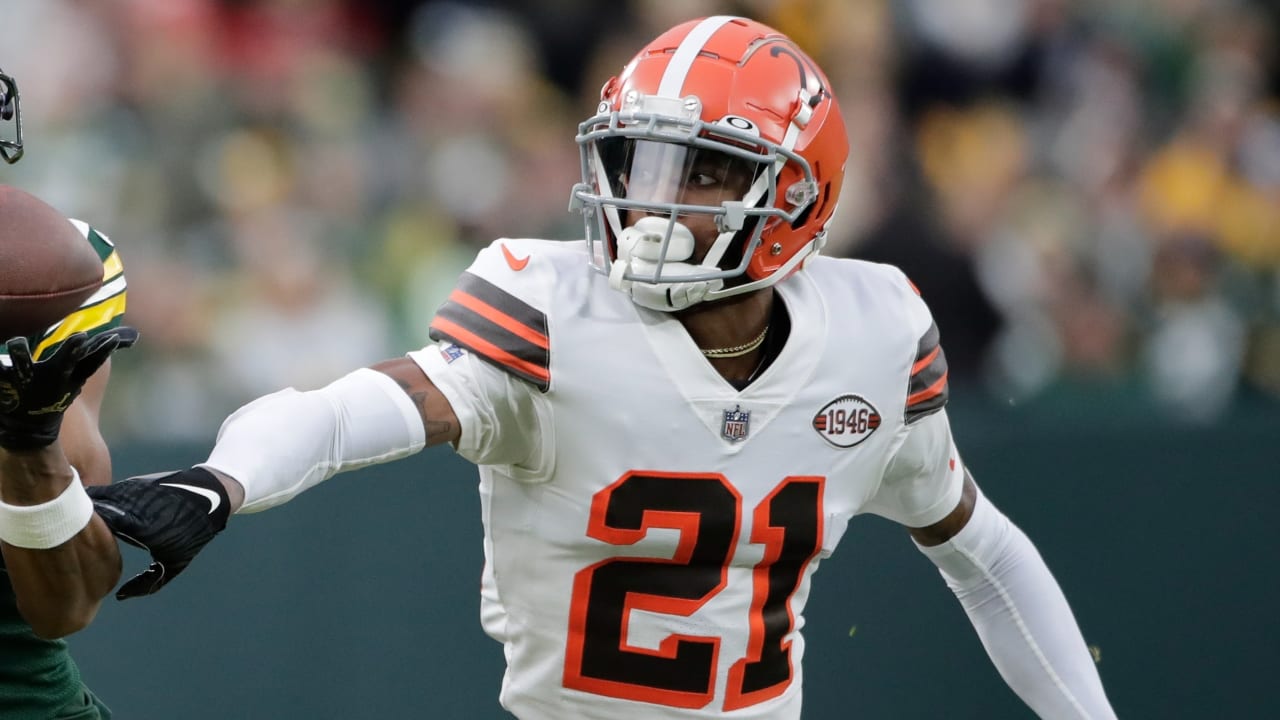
point(513, 262)
point(205, 493)
point(100, 505)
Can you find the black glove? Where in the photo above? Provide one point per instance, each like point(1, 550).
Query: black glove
point(34, 395)
point(171, 515)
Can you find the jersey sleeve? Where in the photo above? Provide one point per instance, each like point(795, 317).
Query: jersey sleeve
point(504, 420)
point(497, 312)
point(101, 311)
point(492, 359)
point(927, 389)
point(925, 477)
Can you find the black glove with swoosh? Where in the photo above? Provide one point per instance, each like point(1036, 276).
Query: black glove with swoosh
point(171, 515)
point(34, 394)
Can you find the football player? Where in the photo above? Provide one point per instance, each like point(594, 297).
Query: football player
point(674, 418)
point(59, 560)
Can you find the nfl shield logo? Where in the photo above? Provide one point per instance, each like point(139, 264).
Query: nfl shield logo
point(736, 423)
point(451, 352)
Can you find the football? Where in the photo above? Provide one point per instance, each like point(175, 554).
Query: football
point(47, 268)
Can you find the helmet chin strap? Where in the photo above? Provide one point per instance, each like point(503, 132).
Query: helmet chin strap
point(640, 252)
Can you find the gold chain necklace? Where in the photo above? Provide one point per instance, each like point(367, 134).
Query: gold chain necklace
point(737, 350)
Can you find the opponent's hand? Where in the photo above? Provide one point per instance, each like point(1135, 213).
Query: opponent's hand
point(171, 515)
point(35, 394)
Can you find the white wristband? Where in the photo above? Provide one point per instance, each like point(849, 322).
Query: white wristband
point(47, 525)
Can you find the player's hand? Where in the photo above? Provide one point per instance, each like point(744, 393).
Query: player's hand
point(35, 394)
point(171, 515)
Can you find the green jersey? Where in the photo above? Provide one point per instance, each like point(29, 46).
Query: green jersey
point(38, 680)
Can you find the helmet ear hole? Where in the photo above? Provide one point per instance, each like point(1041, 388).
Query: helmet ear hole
point(817, 206)
point(814, 207)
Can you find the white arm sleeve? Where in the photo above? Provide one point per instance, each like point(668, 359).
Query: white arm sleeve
point(281, 444)
point(1021, 616)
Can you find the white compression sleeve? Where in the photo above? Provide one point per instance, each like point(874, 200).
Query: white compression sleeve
point(281, 444)
point(1021, 616)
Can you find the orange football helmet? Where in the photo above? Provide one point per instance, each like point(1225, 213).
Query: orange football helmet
point(717, 101)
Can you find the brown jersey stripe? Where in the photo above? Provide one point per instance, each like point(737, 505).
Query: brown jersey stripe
point(928, 341)
point(444, 329)
point(927, 390)
point(498, 327)
point(499, 318)
point(504, 303)
point(927, 401)
point(929, 372)
point(924, 362)
point(928, 393)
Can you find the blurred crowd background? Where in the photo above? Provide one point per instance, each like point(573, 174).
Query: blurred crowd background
point(1087, 192)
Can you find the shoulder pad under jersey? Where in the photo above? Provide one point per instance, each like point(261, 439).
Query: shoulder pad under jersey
point(498, 308)
point(902, 321)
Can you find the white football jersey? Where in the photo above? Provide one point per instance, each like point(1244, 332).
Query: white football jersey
point(651, 531)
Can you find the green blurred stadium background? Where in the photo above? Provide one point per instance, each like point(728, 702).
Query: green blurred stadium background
point(360, 599)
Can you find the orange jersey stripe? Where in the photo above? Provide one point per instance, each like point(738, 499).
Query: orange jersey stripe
point(932, 391)
point(488, 349)
point(499, 318)
point(924, 362)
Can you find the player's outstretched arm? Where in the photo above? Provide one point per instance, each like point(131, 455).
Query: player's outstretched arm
point(1011, 598)
point(60, 558)
point(267, 453)
point(284, 443)
point(1017, 608)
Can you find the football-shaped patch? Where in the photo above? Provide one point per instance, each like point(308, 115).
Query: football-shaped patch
point(846, 421)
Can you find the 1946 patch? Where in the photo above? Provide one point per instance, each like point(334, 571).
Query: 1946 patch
point(846, 421)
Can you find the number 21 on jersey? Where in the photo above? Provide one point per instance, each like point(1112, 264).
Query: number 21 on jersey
point(707, 512)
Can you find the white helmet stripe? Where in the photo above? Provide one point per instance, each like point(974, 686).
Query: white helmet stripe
point(673, 78)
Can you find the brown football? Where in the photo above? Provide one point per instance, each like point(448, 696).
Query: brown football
point(47, 268)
